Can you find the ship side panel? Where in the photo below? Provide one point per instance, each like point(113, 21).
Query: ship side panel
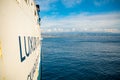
point(20, 41)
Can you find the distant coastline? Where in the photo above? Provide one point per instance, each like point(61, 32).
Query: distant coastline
point(76, 34)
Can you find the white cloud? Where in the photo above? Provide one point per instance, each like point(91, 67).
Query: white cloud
point(109, 22)
point(46, 5)
point(101, 2)
point(70, 3)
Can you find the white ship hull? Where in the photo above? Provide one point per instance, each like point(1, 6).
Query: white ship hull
point(20, 35)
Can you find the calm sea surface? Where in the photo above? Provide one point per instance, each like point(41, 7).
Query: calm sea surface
point(81, 56)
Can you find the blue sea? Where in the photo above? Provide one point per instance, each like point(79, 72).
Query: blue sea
point(81, 56)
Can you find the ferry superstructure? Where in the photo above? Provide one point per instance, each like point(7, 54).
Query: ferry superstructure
point(20, 40)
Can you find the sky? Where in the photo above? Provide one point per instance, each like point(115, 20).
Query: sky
point(80, 15)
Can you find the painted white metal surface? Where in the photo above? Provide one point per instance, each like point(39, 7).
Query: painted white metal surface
point(20, 36)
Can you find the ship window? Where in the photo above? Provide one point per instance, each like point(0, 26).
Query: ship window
point(18, 1)
point(38, 8)
point(27, 1)
point(35, 13)
point(31, 4)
